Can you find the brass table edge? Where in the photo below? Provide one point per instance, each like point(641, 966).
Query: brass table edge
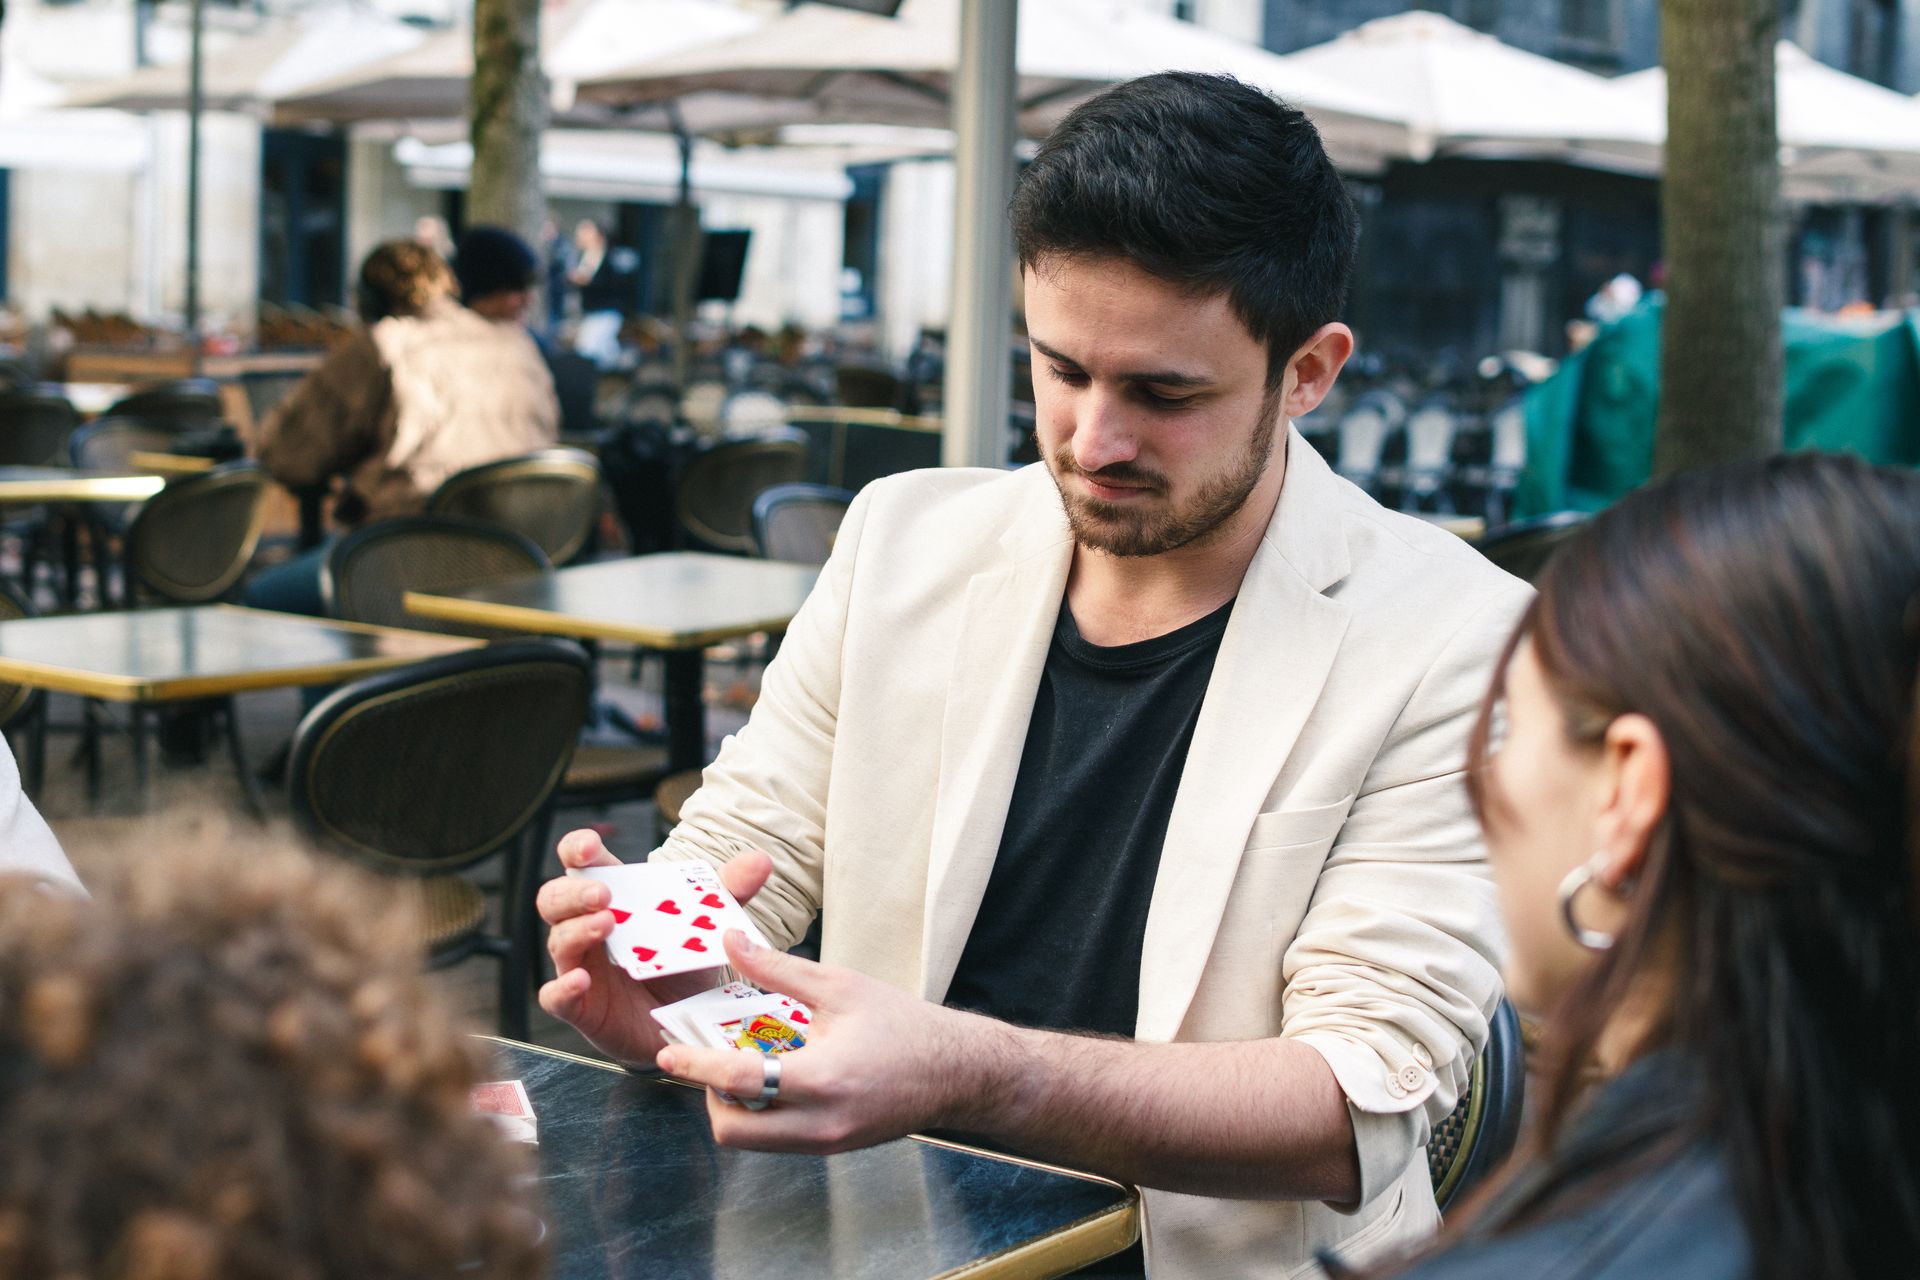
point(86, 684)
point(1075, 1245)
point(361, 628)
point(1059, 1252)
point(127, 489)
point(519, 617)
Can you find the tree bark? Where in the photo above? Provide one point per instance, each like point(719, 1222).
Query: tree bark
point(508, 102)
point(1722, 370)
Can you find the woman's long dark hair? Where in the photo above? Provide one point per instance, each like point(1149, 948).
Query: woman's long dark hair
point(1764, 617)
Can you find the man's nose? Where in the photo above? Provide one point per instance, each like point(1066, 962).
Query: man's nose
point(1102, 433)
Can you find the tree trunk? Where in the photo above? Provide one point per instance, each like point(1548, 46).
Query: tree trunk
point(1722, 371)
point(508, 113)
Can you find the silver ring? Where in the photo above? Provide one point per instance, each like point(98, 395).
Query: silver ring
point(769, 1084)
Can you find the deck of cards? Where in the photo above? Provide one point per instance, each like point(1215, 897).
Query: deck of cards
point(669, 917)
point(505, 1102)
point(737, 1016)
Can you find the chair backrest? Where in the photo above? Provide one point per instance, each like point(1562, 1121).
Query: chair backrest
point(266, 388)
point(369, 572)
point(1363, 434)
point(108, 444)
point(552, 497)
point(1510, 438)
point(797, 522)
point(869, 451)
point(1480, 1131)
point(752, 413)
point(717, 488)
point(1430, 432)
point(34, 427)
point(192, 541)
point(183, 405)
point(1524, 547)
point(14, 698)
point(434, 766)
point(861, 386)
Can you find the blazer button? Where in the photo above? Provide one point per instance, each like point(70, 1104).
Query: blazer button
point(1411, 1077)
point(1394, 1088)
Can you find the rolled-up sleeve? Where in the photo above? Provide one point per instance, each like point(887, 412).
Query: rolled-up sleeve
point(27, 844)
point(1395, 969)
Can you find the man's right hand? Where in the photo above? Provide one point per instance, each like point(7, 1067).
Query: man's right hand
point(601, 1001)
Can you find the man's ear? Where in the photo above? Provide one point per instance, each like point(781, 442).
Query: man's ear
point(1311, 372)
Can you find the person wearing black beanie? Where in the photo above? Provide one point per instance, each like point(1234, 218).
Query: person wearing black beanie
point(498, 273)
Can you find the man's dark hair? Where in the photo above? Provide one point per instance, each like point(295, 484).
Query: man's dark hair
point(490, 260)
point(1207, 183)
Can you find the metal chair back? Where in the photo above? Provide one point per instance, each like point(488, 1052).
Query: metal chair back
point(797, 522)
point(869, 451)
point(369, 572)
point(108, 444)
point(552, 497)
point(186, 405)
point(718, 487)
point(192, 541)
point(35, 426)
point(432, 767)
point(861, 386)
point(1481, 1129)
point(1524, 547)
point(1363, 434)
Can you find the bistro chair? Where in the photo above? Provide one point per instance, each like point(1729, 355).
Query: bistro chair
point(370, 571)
point(797, 522)
point(1422, 478)
point(1499, 476)
point(189, 404)
point(21, 706)
point(34, 427)
point(1524, 547)
point(552, 497)
point(718, 487)
point(1362, 440)
point(860, 386)
point(423, 772)
point(1481, 1129)
point(192, 542)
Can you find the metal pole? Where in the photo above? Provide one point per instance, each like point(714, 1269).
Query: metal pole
point(686, 252)
point(979, 382)
point(195, 94)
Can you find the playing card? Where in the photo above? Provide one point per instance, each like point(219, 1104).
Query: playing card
point(505, 1102)
point(669, 917)
point(674, 1019)
point(768, 1023)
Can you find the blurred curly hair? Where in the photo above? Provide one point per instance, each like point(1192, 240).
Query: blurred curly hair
point(229, 1065)
point(400, 277)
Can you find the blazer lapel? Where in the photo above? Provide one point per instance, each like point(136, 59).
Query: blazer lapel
point(1006, 627)
point(1275, 656)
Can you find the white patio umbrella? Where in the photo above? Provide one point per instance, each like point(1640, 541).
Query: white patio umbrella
point(1841, 138)
point(577, 40)
point(1458, 91)
point(854, 67)
point(283, 56)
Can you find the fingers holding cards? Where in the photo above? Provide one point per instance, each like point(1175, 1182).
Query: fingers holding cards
point(668, 917)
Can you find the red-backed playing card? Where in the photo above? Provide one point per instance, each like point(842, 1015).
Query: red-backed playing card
point(507, 1104)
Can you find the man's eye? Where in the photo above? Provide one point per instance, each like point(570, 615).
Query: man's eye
point(1072, 377)
point(1167, 402)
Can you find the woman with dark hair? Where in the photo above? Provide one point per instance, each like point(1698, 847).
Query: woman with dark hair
point(1697, 776)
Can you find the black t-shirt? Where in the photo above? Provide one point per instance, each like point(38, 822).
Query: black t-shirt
point(1056, 943)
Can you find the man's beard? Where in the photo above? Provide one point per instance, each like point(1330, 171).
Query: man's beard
point(1120, 531)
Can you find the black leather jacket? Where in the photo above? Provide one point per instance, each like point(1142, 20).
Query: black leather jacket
point(1625, 1195)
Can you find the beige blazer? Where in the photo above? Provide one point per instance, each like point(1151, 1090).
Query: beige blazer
point(1322, 876)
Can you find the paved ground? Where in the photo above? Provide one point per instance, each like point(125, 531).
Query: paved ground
point(92, 832)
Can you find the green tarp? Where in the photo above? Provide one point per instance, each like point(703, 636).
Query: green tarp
point(1851, 385)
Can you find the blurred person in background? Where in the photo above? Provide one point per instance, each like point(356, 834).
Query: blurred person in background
point(1700, 782)
point(230, 1065)
point(608, 278)
point(429, 388)
point(499, 276)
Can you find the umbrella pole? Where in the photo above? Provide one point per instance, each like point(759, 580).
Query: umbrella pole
point(686, 251)
point(195, 96)
point(979, 365)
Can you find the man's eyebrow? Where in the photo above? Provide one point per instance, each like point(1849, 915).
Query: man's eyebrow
point(1158, 377)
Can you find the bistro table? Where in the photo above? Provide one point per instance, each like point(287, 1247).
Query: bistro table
point(677, 602)
point(67, 484)
point(635, 1186)
point(145, 656)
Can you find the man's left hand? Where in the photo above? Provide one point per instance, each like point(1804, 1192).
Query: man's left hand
point(878, 1063)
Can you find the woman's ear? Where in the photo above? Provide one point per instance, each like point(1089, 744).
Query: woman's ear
point(1638, 779)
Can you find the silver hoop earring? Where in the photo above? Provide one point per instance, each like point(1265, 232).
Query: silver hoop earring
point(1570, 887)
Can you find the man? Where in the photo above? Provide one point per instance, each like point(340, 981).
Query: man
point(1160, 741)
point(498, 274)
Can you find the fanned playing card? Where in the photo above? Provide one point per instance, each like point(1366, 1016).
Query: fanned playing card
point(769, 1023)
point(674, 1019)
point(669, 917)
